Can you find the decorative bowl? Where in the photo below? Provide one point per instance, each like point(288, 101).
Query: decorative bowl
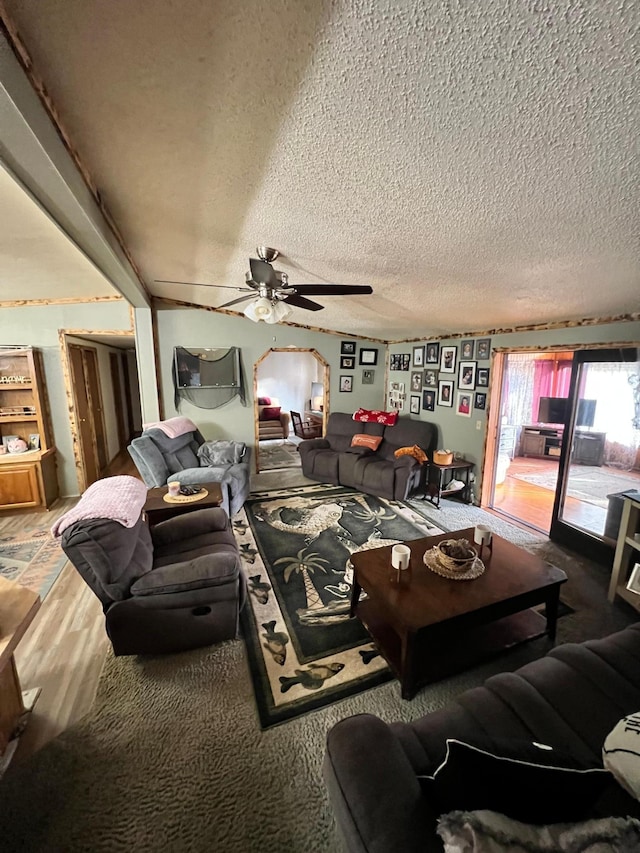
point(457, 555)
point(443, 457)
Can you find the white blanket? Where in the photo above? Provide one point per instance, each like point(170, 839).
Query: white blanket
point(490, 832)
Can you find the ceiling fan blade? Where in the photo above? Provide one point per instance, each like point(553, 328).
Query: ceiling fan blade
point(200, 284)
point(263, 273)
point(235, 301)
point(332, 289)
point(300, 302)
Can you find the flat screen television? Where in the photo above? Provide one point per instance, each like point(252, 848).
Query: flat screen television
point(553, 410)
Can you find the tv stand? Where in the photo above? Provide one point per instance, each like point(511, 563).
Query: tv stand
point(544, 441)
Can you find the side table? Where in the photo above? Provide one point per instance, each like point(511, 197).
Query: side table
point(157, 509)
point(433, 485)
point(18, 606)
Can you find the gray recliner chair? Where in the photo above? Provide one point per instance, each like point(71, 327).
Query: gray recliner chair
point(189, 459)
point(172, 587)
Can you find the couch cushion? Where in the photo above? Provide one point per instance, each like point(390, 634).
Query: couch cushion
point(523, 779)
point(215, 567)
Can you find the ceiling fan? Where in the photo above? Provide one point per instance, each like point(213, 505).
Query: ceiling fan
point(271, 292)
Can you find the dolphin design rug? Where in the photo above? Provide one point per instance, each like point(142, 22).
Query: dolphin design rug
point(304, 650)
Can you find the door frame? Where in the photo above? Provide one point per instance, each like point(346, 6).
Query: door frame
point(582, 541)
point(85, 335)
point(326, 370)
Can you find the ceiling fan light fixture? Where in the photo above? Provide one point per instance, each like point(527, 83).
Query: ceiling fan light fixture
point(282, 311)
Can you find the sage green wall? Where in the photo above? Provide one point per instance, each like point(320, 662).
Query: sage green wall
point(38, 326)
point(459, 433)
point(194, 328)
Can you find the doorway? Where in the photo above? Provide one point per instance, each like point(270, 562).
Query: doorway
point(291, 380)
point(533, 422)
point(85, 384)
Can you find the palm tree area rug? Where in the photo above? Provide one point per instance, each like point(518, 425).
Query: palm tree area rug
point(304, 651)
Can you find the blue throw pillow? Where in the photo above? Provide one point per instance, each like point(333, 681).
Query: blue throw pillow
point(525, 780)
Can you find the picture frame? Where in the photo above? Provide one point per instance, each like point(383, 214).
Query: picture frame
point(368, 356)
point(33, 441)
point(368, 377)
point(480, 400)
point(418, 356)
point(430, 379)
point(347, 362)
point(464, 402)
point(432, 353)
point(397, 395)
point(448, 358)
point(466, 349)
point(483, 348)
point(467, 375)
point(482, 377)
point(414, 404)
point(633, 584)
point(347, 348)
point(445, 392)
point(399, 361)
point(429, 400)
point(416, 380)
point(346, 384)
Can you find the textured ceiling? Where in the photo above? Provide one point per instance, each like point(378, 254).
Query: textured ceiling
point(475, 162)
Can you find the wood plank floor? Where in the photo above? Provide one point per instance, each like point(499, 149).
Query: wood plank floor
point(64, 648)
point(533, 505)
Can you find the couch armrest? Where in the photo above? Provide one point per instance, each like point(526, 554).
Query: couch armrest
point(360, 451)
point(189, 525)
point(405, 462)
point(285, 420)
point(375, 794)
point(203, 572)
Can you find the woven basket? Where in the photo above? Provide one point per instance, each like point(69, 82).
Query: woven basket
point(442, 458)
point(455, 564)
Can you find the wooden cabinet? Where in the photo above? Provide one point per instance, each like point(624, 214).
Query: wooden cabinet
point(540, 440)
point(28, 480)
point(627, 553)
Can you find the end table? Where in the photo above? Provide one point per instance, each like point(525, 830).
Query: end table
point(433, 487)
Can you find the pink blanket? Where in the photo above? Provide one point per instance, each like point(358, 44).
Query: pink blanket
point(119, 498)
point(173, 427)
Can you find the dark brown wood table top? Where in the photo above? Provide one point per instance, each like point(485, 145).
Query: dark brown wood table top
point(429, 599)
point(155, 499)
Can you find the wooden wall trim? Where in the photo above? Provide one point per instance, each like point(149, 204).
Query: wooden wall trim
point(29, 303)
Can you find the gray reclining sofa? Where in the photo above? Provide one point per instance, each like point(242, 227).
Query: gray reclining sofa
point(571, 699)
point(332, 459)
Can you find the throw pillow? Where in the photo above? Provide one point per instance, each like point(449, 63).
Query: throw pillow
point(621, 753)
point(524, 780)
point(360, 439)
point(375, 416)
point(415, 451)
point(270, 413)
point(264, 401)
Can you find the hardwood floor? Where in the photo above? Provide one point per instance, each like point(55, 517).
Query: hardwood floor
point(64, 648)
point(533, 505)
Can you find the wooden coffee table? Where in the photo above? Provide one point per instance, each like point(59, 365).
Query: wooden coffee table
point(157, 509)
point(432, 627)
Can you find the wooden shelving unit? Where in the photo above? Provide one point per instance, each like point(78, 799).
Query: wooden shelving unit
point(627, 552)
point(28, 480)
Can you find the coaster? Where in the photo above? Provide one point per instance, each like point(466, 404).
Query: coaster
point(185, 499)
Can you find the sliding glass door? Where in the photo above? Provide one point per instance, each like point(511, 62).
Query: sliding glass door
point(599, 459)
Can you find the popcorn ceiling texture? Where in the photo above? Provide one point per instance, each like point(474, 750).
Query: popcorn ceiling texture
point(475, 162)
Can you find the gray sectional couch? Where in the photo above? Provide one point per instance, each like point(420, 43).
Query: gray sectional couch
point(571, 699)
point(332, 459)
